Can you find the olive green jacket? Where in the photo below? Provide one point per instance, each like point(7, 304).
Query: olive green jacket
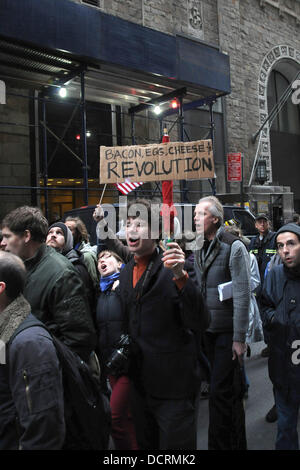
point(57, 297)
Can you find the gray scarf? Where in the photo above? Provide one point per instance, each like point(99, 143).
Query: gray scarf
point(12, 317)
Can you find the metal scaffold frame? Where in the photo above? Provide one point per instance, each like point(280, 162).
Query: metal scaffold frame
point(44, 97)
point(178, 94)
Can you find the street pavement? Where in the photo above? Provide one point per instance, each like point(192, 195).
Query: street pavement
point(261, 435)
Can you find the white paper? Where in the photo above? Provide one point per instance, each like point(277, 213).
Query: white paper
point(225, 291)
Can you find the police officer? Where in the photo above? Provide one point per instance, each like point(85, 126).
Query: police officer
point(263, 246)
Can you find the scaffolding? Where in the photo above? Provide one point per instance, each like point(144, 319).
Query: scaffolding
point(43, 188)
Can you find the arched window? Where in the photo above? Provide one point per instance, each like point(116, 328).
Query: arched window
point(288, 120)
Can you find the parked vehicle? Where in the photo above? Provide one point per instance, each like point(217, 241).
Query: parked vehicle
point(244, 217)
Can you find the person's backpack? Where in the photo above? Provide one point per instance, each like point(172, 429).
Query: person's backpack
point(87, 410)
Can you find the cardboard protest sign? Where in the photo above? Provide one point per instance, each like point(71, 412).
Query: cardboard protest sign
point(157, 162)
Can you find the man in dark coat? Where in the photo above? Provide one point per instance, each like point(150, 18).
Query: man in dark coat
point(263, 246)
point(31, 391)
point(61, 239)
point(164, 308)
point(222, 259)
point(281, 317)
point(82, 244)
point(53, 288)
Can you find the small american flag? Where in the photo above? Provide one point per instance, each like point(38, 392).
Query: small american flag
point(127, 186)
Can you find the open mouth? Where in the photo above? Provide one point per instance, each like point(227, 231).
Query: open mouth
point(103, 267)
point(133, 241)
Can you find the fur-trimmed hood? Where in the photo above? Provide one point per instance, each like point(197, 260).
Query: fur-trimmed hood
point(12, 317)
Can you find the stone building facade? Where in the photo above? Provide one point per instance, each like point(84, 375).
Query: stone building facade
point(259, 36)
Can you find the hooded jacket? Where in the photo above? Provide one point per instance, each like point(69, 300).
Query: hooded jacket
point(281, 317)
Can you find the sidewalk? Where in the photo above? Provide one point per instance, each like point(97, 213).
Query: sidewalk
point(260, 434)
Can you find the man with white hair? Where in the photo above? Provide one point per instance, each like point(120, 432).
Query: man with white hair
point(223, 258)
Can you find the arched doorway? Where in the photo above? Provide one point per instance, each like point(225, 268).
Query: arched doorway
point(285, 130)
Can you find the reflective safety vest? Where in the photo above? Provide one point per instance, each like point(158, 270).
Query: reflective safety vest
point(263, 250)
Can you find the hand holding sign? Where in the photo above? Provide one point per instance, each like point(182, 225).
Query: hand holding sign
point(98, 213)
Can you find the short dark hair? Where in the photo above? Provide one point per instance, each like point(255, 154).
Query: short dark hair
point(110, 253)
point(13, 273)
point(27, 218)
point(152, 212)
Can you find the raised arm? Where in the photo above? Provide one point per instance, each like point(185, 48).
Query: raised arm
point(108, 238)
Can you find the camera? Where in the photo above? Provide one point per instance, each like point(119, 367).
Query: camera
point(118, 363)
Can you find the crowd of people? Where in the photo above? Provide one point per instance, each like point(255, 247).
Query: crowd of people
point(161, 318)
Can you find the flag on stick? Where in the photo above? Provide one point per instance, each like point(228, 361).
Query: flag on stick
point(127, 186)
point(168, 211)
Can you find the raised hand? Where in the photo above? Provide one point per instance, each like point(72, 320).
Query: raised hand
point(174, 259)
point(98, 213)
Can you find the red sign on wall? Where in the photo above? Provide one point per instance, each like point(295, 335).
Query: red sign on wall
point(234, 167)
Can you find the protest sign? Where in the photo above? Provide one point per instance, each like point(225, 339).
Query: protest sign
point(157, 162)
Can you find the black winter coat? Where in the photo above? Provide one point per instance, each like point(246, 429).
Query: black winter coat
point(110, 323)
point(263, 251)
point(161, 321)
point(31, 392)
point(281, 317)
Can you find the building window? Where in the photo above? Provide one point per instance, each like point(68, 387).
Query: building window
point(288, 119)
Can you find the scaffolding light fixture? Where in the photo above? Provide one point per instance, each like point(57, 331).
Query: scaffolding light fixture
point(174, 104)
point(157, 109)
point(180, 92)
point(62, 92)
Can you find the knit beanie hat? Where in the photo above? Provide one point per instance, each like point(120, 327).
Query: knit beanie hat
point(294, 228)
point(67, 235)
